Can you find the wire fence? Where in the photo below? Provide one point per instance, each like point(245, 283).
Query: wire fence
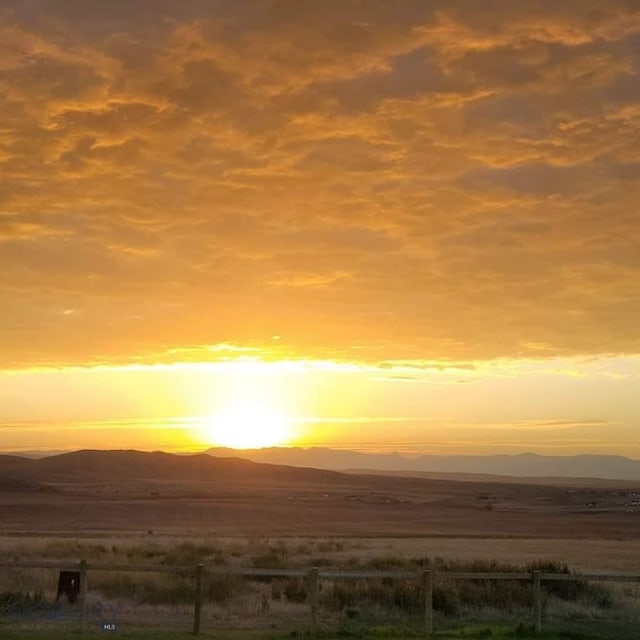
point(205, 597)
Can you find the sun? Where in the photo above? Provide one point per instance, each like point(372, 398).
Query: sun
point(247, 426)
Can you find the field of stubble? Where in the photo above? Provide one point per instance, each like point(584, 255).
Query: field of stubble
point(351, 523)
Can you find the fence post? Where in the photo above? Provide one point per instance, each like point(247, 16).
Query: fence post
point(198, 602)
point(314, 589)
point(427, 587)
point(83, 595)
point(537, 601)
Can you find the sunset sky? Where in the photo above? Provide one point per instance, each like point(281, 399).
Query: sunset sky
point(384, 225)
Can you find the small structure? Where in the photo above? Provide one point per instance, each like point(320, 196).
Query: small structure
point(69, 585)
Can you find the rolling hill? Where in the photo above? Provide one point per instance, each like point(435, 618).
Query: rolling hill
point(120, 491)
point(130, 465)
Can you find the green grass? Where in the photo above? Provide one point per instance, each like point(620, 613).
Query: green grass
point(76, 635)
point(477, 632)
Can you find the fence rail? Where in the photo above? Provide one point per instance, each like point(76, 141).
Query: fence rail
point(425, 579)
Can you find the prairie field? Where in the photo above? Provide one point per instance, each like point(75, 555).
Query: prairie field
point(139, 601)
point(277, 518)
point(123, 492)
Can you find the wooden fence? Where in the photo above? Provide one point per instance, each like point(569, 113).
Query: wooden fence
point(424, 577)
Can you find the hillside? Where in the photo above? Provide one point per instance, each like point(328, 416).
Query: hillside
point(130, 465)
point(546, 481)
point(524, 465)
point(124, 491)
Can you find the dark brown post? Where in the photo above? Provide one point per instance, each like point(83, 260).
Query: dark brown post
point(198, 602)
point(427, 586)
point(314, 590)
point(537, 601)
point(83, 594)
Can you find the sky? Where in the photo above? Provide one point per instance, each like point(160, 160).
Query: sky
point(405, 225)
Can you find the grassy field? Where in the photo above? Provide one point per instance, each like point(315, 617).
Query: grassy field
point(281, 606)
point(467, 633)
point(597, 554)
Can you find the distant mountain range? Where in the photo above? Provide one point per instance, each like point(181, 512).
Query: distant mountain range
point(524, 465)
point(315, 464)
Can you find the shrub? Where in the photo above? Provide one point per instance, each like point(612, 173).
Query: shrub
point(176, 590)
point(74, 549)
point(325, 546)
point(446, 600)
point(319, 562)
point(165, 588)
point(19, 606)
point(191, 553)
point(339, 596)
point(402, 595)
point(18, 599)
point(450, 595)
point(271, 560)
point(571, 590)
point(295, 590)
point(388, 563)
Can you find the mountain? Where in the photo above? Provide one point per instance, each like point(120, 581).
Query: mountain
point(97, 466)
point(318, 457)
point(529, 465)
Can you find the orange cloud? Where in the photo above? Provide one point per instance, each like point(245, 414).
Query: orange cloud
point(374, 181)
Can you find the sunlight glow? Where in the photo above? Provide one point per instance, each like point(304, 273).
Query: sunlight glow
point(247, 426)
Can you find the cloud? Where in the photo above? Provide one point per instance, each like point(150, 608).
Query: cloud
point(368, 180)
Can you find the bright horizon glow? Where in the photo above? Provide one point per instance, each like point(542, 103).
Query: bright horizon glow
point(561, 406)
point(252, 425)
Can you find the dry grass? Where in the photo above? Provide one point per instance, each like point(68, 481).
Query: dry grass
point(233, 603)
point(579, 555)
